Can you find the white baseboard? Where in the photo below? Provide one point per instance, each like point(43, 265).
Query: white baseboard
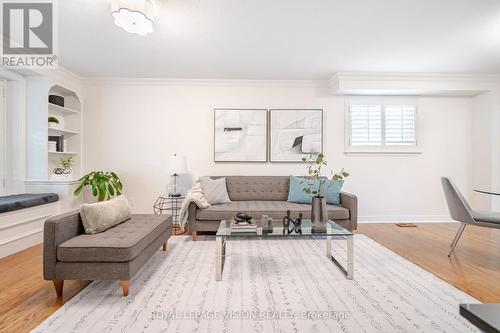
point(23, 228)
point(405, 218)
point(20, 242)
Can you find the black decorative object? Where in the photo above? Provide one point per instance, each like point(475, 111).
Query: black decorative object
point(241, 217)
point(59, 140)
point(57, 100)
point(290, 225)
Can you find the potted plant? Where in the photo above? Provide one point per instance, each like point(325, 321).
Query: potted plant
point(103, 185)
point(316, 185)
point(64, 169)
point(53, 122)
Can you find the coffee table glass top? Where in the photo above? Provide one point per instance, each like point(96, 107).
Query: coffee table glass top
point(332, 229)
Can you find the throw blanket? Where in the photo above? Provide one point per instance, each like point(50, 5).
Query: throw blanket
point(194, 195)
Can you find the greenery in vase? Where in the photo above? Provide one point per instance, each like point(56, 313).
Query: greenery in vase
point(66, 162)
point(314, 180)
point(104, 185)
point(53, 120)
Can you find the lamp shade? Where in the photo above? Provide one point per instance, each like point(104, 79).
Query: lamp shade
point(134, 16)
point(177, 164)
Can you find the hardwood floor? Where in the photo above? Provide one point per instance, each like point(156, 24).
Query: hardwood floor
point(26, 299)
point(474, 267)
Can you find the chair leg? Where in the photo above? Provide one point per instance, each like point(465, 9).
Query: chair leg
point(125, 285)
point(456, 238)
point(58, 285)
point(165, 246)
point(194, 235)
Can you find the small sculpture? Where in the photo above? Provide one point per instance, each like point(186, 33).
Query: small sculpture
point(295, 224)
point(241, 217)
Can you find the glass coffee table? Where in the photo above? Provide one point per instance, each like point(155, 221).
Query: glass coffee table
point(332, 231)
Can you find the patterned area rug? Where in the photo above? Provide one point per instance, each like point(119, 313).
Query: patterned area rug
point(268, 286)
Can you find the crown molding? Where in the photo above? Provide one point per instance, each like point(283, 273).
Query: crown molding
point(420, 84)
point(206, 82)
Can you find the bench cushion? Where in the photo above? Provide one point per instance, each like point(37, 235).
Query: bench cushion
point(10, 203)
point(274, 209)
point(120, 243)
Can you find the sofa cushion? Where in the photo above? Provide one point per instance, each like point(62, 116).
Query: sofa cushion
point(100, 216)
point(215, 191)
point(120, 243)
point(242, 188)
point(274, 209)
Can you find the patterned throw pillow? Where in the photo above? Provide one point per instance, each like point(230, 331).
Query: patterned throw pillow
point(215, 191)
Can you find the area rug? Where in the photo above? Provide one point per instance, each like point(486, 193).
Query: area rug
point(271, 285)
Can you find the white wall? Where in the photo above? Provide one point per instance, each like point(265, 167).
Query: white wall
point(131, 127)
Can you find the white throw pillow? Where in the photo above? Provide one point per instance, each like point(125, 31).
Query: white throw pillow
point(215, 191)
point(99, 216)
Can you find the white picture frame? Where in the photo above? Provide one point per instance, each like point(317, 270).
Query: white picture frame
point(294, 134)
point(240, 135)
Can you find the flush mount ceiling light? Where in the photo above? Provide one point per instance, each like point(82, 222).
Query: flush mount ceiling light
point(134, 16)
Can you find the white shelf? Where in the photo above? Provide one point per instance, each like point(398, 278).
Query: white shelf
point(57, 108)
point(58, 131)
point(63, 153)
point(52, 182)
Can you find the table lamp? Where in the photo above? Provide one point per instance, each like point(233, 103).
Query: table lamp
point(176, 166)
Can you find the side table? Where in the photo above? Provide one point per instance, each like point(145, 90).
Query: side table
point(166, 204)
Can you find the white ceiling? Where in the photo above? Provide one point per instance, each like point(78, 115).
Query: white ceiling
point(283, 39)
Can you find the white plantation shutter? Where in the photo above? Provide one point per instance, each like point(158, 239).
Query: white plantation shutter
point(366, 125)
point(389, 126)
point(400, 125)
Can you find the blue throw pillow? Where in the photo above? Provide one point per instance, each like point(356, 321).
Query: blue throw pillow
point(331, 188)
point(332, 191)
point(296, 191)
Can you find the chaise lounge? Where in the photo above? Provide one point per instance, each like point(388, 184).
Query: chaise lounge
point(115, 254)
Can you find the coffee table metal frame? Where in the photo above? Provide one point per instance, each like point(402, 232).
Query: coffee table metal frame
point(334, 232)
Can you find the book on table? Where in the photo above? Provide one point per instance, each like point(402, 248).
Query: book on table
point(250, 226)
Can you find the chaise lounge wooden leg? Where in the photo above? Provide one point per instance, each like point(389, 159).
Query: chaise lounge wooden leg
point(194, 235)
point(125, 287)
point(58, 285)
point(165, 246)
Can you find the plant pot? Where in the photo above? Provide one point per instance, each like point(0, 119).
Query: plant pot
point(53, 125)
point(319, 214)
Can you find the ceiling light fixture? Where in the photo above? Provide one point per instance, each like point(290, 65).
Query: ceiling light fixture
point(134, 16)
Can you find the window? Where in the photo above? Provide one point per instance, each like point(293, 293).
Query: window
point(381, 126)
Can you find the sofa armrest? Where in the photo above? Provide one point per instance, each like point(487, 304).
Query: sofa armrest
point(56, 231)
point(350, 201)
point(192, 216)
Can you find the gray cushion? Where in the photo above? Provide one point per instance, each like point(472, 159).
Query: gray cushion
point(9, 203)
point(484, 216)
point(242, 188)
point(118, 244)
point(215, 191)
point(274, 209)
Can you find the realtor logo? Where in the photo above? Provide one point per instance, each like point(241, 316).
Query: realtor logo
point(28, 30)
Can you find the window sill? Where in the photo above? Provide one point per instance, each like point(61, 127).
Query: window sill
point(387, 153)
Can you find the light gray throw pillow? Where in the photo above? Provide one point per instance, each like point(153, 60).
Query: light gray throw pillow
point(215, 191)
point(100, 216)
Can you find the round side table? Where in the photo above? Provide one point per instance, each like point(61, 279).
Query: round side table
point(166, 204)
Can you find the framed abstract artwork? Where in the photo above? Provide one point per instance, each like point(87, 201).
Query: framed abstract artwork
point(240, 135)
point(295, 134)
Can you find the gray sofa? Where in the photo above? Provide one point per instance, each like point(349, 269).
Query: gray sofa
point(258, 195)
point(115, 254)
